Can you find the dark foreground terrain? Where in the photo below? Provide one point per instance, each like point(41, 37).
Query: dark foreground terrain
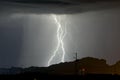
point(84, 69)
point(36, 76)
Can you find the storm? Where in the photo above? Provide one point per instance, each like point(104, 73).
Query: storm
point(28, 32)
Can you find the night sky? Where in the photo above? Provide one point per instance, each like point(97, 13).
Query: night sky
point(28, 32)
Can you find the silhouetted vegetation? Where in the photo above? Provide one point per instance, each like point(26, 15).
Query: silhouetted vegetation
point(88, 68)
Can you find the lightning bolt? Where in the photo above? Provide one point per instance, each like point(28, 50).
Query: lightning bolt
point(61, 32)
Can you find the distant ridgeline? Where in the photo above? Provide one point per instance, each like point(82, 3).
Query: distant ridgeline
point(86, 65)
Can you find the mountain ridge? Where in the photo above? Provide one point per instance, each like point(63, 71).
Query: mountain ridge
point(87, 65)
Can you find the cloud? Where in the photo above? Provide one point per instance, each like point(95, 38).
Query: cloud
point(7, 8)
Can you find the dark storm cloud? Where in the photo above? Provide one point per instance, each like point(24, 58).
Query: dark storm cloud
point(69, 1)
point(55, 8)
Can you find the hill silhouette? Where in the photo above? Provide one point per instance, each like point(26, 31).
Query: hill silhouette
point(82, 66)
point(87, 65)
point(87, 68)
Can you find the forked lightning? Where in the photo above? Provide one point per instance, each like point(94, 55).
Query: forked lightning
point(61, 32)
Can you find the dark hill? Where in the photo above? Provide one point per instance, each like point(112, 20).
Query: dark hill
point(86, 65)
point(82, 66)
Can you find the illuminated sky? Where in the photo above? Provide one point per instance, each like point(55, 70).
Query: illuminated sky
point(28, 34)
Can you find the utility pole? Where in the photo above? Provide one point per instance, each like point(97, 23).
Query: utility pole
point(76, 64)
